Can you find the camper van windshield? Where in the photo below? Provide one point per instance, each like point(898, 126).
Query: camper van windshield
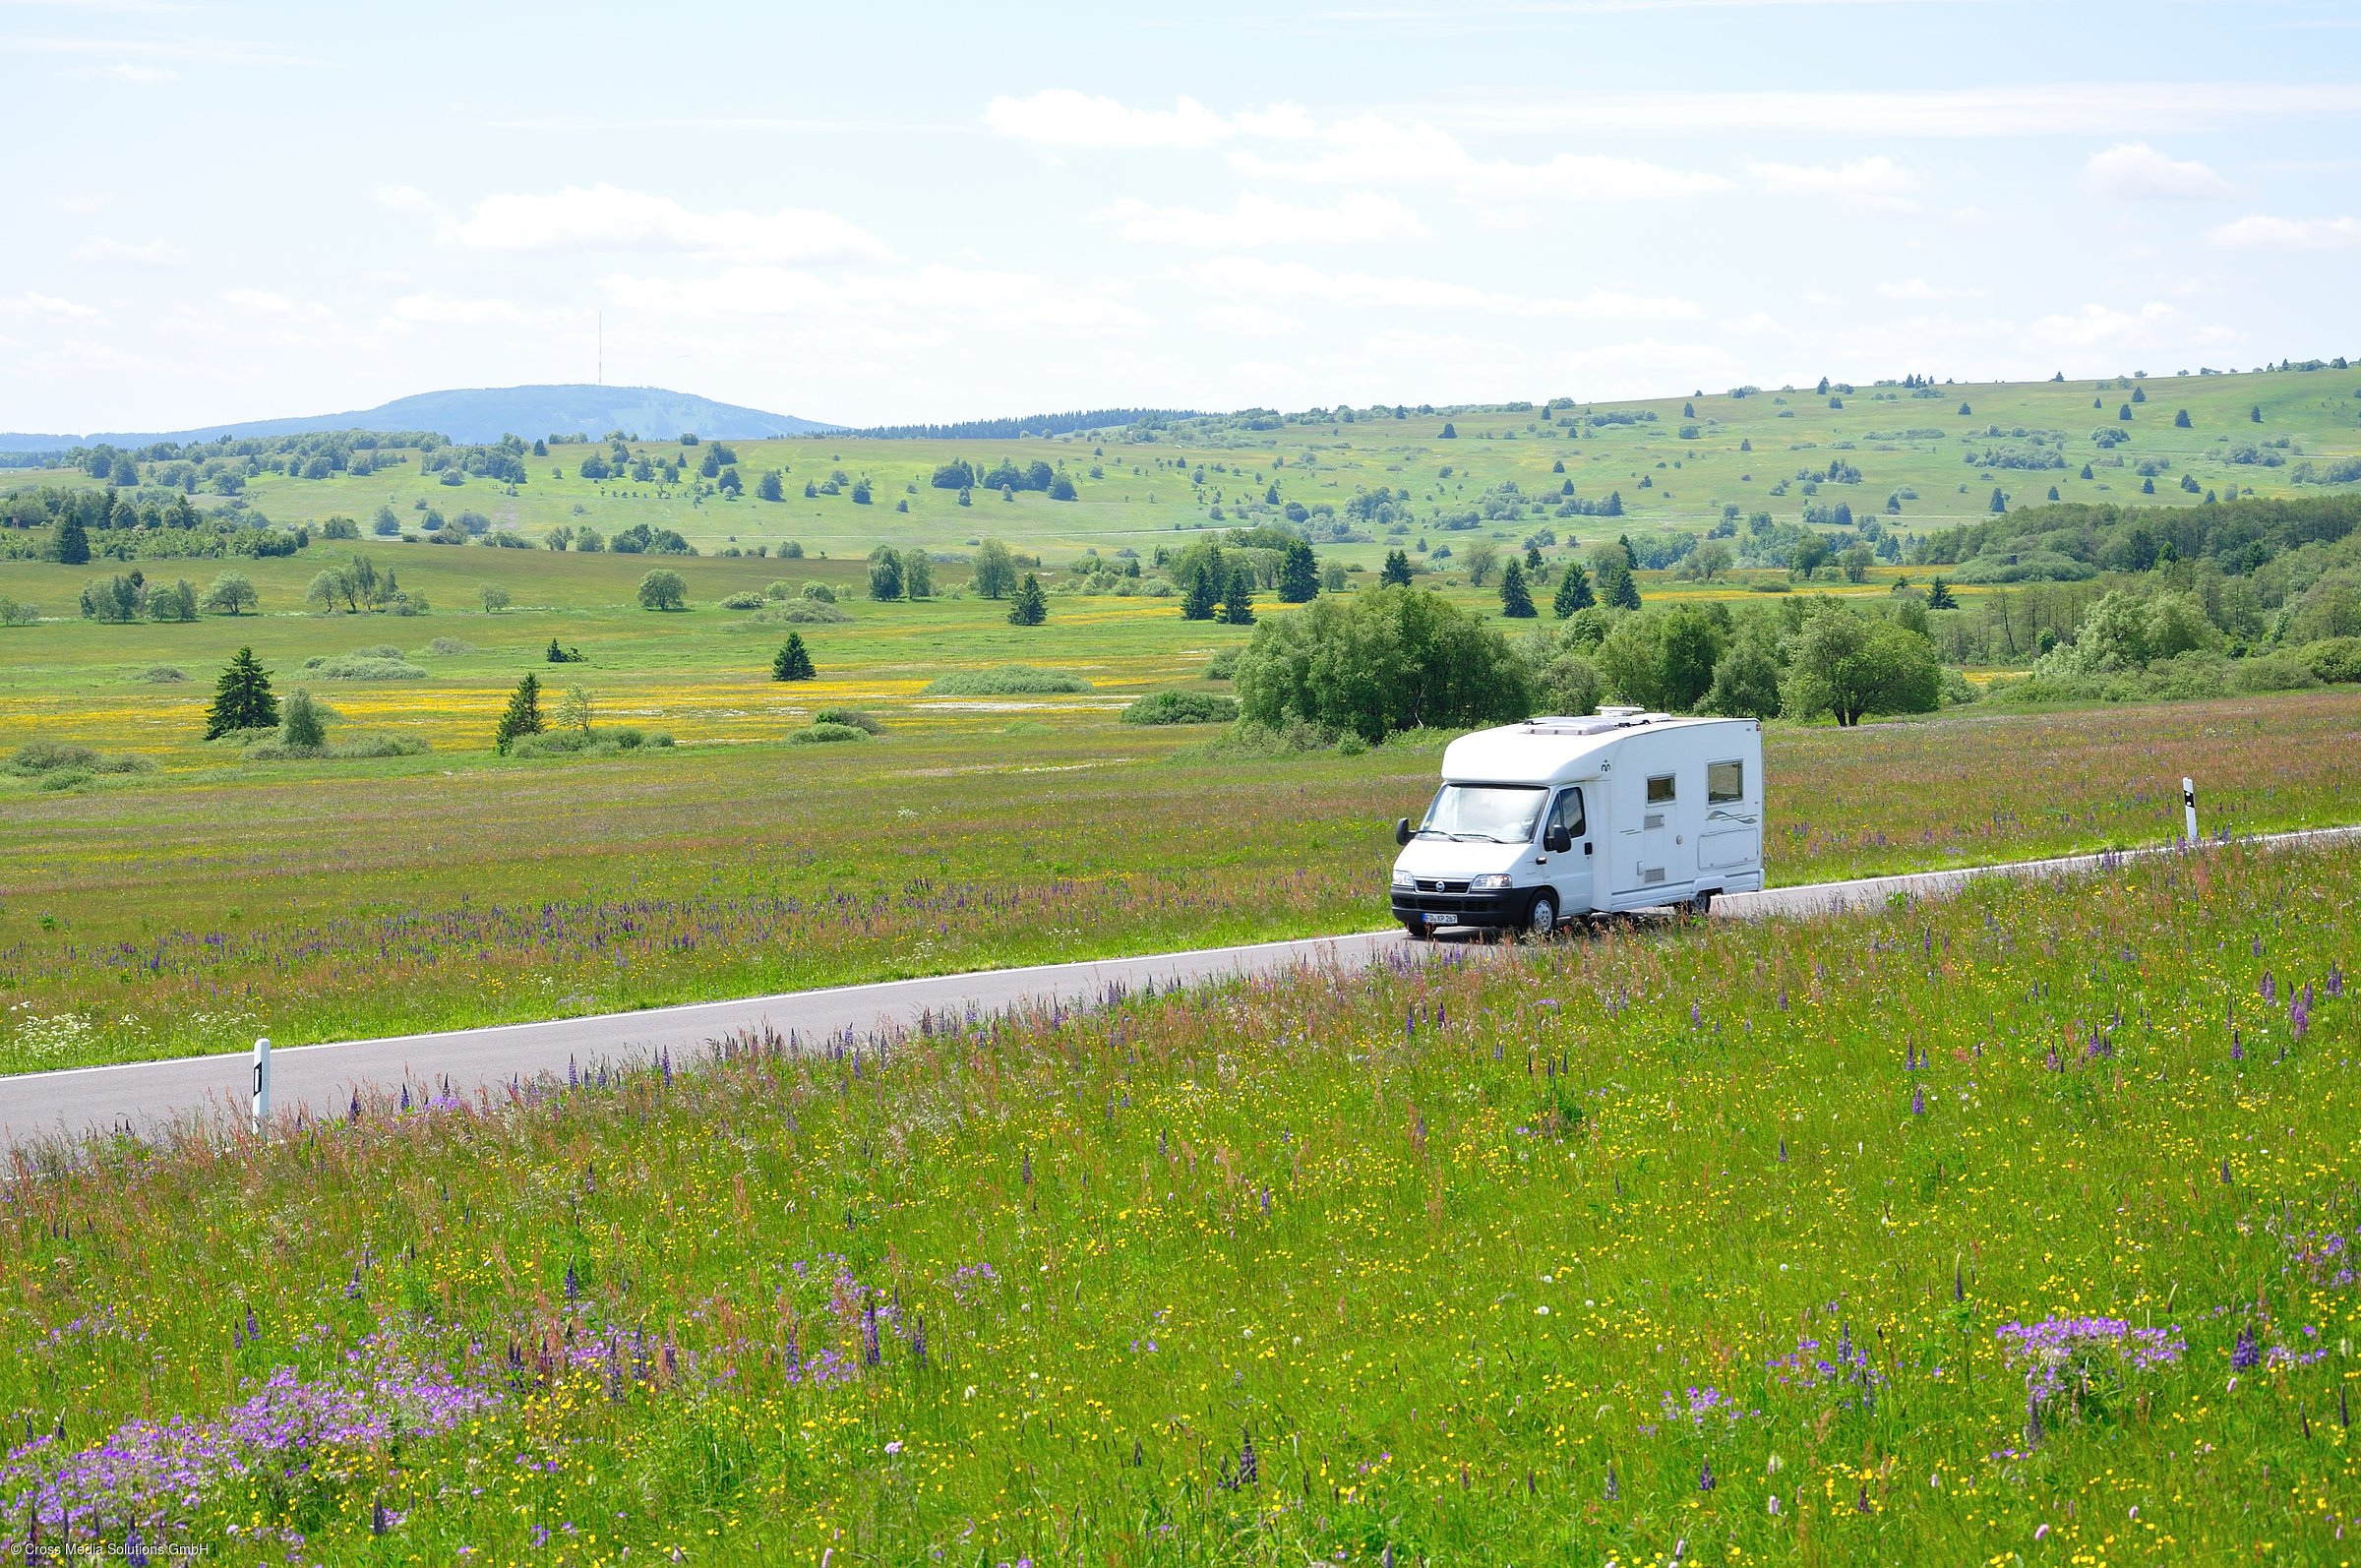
point(1503, 813)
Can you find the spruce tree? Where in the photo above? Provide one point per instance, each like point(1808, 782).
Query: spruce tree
point(1200, 595)
point(1396, 572)
point(1299, 574)
point(524, 715)
point(1238, 600)
point(1516, 602)
point(73, 542)
point(556, 655)
point(1032, 606)
point(1573, 591)
point(242, 698)
point(794, 662)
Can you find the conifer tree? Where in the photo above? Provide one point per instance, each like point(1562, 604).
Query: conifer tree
point(1573, 591)
point(242, 698)
point(524, 715)
point(1396, 572)
point(73, 542)
point(1516, 602)
point(794, 661)
point(1238, 599)
point(1299, 574)
point(1032, 606)
point(1200, 595)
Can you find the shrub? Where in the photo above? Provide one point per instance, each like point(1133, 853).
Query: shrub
point(301, 724)
point(38, 758)
point(816, 590)
point(1182, 707)
point(363, 666)
point(1222, 665)
point(444, 647)
point(748, 600)
point(1005, 680)
point(823, 733)
point(2335, 659)
point(859, 721)
point(161, 675)
point(803, 612)
point(14, 612)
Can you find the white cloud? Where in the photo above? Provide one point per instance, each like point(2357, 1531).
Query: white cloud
point(1918, 288)
point(1368, 149)
point(110, 251)
point(1357, 150)
point(970, 297)
point(445, 310)
point(1870, 179)
point(1255, 279)
point(2153, 325)
point(50, 307)
point(142, 76)
point(606, 218)
point(1257, 219)
point(1064, 117)
point(2294, 234)
point(263, 302)
point(1246, 319)
point(2087, 109)
point(2136, 171)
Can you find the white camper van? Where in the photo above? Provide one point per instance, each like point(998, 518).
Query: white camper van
point(1555, 819)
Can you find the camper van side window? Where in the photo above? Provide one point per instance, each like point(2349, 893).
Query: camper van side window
point(1659, 790)
point(1568, 814)
point(1724, 782)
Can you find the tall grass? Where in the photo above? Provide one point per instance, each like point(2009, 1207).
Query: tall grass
point(2016, 1227)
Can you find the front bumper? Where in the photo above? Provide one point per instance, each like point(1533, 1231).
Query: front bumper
point(1418, 907)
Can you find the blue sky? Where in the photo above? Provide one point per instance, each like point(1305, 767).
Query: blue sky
point(897, 213)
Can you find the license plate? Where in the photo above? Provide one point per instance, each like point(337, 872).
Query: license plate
point(1437, 920)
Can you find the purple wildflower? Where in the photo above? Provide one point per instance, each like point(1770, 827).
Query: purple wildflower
point(1918, 1099)
point(2245, 1352)
point(1705, 1476)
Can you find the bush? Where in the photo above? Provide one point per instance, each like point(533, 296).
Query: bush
point(805, 611)
point(161, 675)
point(744, 601)
point(816, 590)
point(866, 722)
point(37, 758)
point(1222, 665)
point(1182, 707)
point(823, 733)
point(1005, 680)
point(2337, 659)
point(363, 666)
point(446, 647)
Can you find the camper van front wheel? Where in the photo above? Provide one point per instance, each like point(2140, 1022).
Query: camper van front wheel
point(1540, 917)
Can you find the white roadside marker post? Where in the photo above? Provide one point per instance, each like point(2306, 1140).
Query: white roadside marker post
point(262, 1084)
point(2189, 805)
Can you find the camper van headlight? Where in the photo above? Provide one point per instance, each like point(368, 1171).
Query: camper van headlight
point(1403, 878)
point(1492, 883)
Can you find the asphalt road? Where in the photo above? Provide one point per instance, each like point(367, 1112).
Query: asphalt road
point(147, 1095)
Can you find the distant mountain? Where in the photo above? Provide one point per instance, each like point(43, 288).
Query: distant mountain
point(486, 413)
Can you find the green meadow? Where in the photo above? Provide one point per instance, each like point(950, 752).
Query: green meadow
point(2014, 1229)
point(160, 893)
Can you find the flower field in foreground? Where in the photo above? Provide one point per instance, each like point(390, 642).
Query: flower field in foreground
point(2014, 1229)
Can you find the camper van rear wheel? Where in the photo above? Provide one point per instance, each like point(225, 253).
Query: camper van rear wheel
point(1701, 906)
point(1541, 916)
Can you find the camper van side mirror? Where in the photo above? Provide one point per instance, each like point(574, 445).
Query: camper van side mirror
point(1402, 830)
point(1559, 840)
